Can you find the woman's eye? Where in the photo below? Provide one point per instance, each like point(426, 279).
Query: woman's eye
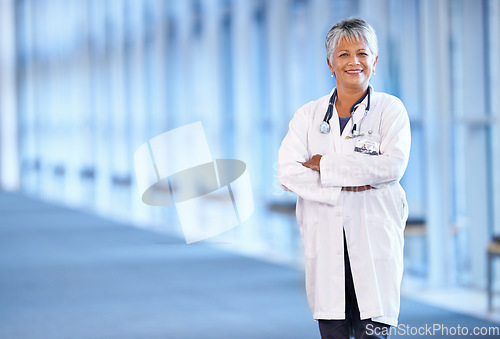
point(363, 54)
point(343, 54)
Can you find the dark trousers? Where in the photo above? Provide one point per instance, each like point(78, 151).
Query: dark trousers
point(352, 324)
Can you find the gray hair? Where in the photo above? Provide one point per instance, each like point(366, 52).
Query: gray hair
point(351, 29)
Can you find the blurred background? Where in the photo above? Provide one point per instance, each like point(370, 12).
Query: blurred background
point(84, 83)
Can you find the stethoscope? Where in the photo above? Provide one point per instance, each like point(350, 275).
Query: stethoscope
point(355, 132)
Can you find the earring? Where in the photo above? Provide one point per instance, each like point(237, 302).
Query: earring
point(333, 74)
point(374, 72)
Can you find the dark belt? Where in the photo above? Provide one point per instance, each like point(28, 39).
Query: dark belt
point(357, 188)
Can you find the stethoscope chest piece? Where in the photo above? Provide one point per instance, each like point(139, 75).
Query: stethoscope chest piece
point(324, 127)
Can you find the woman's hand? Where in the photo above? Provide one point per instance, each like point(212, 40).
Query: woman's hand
point(313, 163)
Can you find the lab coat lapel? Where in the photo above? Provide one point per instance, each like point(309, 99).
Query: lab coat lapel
point(335, 126)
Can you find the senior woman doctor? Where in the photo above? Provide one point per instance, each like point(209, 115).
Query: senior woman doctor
point(344, 155)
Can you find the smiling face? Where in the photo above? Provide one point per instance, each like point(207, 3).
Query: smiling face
point(353, 64)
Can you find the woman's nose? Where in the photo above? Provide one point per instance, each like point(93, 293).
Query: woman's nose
point(354, 60)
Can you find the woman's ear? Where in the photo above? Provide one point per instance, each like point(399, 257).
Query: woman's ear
point(329, 64)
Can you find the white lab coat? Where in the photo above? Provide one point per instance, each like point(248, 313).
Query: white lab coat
point(373, 220)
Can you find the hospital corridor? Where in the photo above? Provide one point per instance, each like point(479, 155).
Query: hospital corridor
point(140, 192)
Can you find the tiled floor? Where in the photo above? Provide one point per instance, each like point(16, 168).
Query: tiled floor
point(458, 299)
point(68, 274)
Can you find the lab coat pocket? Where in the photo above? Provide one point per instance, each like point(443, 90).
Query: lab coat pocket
point(382, 238)
point(402, 204)
point(403, 209)
point(309, 233)
point(368, 144)
point(307, 210)
point(400, 214)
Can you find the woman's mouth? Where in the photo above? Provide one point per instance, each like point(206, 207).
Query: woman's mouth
point(354, 71)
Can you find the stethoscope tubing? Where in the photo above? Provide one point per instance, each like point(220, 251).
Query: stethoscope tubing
point(325, 125)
